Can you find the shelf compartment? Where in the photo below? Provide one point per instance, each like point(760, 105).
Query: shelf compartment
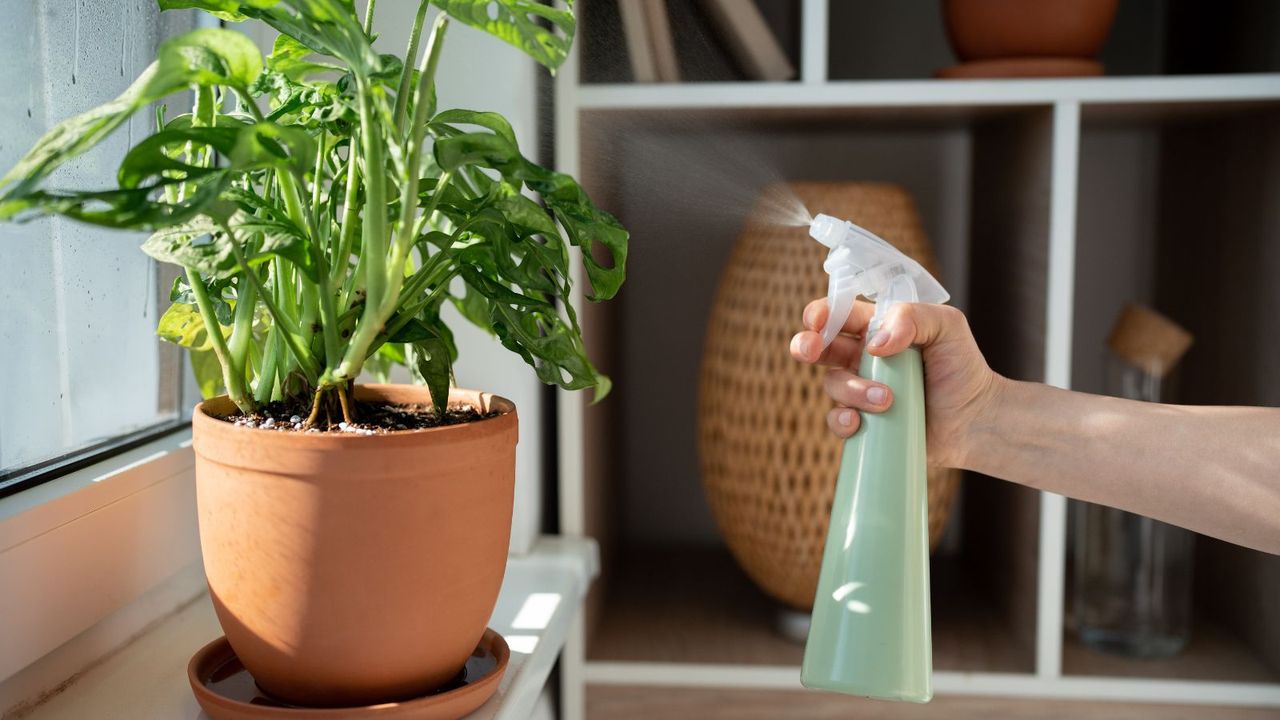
point(1178, 213)
point(703, 56)
point(1165, 37)
point(683, 185)
point(694, 605)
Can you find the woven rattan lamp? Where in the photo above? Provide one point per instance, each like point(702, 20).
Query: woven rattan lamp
point(768, 461)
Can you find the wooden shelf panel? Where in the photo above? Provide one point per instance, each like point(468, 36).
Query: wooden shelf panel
point(696, 606)
point(1212, 654)
point(643, 703)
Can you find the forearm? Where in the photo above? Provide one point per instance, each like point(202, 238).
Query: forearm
point(1215, 470)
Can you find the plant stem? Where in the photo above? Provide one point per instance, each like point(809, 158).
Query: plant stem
point(368, 17)
point(421, 112)
point(406, 73)
point(306, 360)
point(347, 235)
point(270, 362)
point(403, 242)
point(315, 407)
point(231, 375)
point(373, 252)
point(346, 406)
point(242, 330)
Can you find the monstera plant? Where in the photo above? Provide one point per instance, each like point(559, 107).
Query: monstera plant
point(321, 205)
point(324, 210)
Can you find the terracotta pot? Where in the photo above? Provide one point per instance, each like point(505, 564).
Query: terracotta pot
point(994, 29)
point(349, 569)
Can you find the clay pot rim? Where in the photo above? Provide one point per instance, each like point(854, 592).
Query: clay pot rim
point(215, 425)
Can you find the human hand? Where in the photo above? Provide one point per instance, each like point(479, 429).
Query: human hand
point(960, 387)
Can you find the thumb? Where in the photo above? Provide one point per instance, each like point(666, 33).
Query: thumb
point(919, 324)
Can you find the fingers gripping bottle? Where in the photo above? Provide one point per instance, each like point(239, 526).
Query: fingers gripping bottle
point(870, 633)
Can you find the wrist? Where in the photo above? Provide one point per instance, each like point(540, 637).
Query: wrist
point(982, 428)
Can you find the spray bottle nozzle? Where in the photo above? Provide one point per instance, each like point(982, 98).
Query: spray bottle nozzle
point(862, 263)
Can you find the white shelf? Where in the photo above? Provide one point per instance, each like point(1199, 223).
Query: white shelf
point(1048, 119)
point(706, 675)
point(931, 93)
point(148, 678)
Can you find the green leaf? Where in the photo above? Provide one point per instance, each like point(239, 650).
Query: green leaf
point(526, 216)
point(433, 366)
point(181, 293)
point(474, 306)
point(155, 156)
point(485, 149)
point(490, 120)
point(131, 208)
point(210, 56)
point(266, 145)
point(202, 245)
point(207, 371)
point(183, 325)
point(293, 60)
point(230, 10)
point(589, 228)
point(411, 331)
point(519, 23)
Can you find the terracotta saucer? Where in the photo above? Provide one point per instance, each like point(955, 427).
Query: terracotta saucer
point(1029, 67)
point(226, 691)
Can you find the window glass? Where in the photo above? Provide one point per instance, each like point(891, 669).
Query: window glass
point(79, 360)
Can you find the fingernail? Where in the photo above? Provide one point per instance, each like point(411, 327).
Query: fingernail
point(880, 338)
point(797, 345)
point(845, 418)
point(876, 395)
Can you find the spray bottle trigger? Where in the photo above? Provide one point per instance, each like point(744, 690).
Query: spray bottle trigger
point(840, 298)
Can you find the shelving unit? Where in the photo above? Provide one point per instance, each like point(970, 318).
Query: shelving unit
point(1049, 203)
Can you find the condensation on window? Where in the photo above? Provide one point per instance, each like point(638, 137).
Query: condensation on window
point(79, 359)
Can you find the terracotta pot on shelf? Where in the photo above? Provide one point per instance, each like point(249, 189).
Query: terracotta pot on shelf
point(349, 569)
point(768, 461)
point(1021, 38)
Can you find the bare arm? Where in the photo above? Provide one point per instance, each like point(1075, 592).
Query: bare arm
point(1215, 470)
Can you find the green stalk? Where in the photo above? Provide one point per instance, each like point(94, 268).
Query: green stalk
point(409, 186)
point(347, 235)
point(270, 363)
point(283, 295)
point(231, 375)
point(242, 329)
point(374, 238)
point(368, 17)
point(383, 288)
point(406, 73)
point(412, 311)
point(306, 360)
point(317, 176)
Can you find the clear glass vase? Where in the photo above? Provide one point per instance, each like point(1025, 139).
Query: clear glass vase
point(1132, 573)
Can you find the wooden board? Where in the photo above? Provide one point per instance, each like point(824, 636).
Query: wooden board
point(624, 703)
point(1213, 653)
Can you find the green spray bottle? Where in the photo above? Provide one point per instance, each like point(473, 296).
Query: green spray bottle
point(870, 634)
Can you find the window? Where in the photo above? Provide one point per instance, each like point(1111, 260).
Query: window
point(81, 369)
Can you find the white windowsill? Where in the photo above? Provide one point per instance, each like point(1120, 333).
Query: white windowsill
point(148, 678)
point(90, 559)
